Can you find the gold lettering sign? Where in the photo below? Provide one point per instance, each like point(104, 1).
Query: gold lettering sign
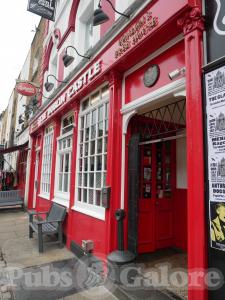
point(136, 33)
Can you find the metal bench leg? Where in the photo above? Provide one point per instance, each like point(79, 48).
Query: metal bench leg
point(60, 235)
point(40, 239)
point(30, 232)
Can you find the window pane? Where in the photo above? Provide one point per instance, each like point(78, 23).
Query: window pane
point(94, 117)
point(80, 179)
point(79, 195)
point(106, 144)
point(91, 180)
point(98, 179)
point(92, 148)
point(85, 179)
point(100, 113)
point(100, 129)
point(99, 146)
point(98, 198)
point(99, 163)
point(91, 196)
point(60, 181)
point(92, 163)
point(66, 182)
point(85, 195)
point(61, 163)
point(67, 161)
point(93, 131)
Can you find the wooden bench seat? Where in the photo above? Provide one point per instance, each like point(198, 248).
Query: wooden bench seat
point(11, 198)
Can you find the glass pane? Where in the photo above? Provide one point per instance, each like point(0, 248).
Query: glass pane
point(98, 198)
point(85, 104)
point(88, 120)
point(86, 134)
point(91, 196)
point(92, 147)
point(85, 179)
point(61, 164)
point(100, 113)
point(85, 196)
point(80, 179)
point(81, 135)
point(93, 131)
point(100, 129)
point(66, 182)
point(80, 165)
point(69, 143)
point(85, 164)
point(106, 144)
point(99, 146)
point(92, 163)
point(60, 181)
point(64, 144)
point(107, 111)
point(105, 91)
point(91, 179)
point(86, 149)
point(81, 150)
point(79, 195)
point(99, 163)
point(98, 180)
point(105, 162)
point(94, 117)
point(60, 145)
point(104, 179)
point(106, 127)
point(67, 161)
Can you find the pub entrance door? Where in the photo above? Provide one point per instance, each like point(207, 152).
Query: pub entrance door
point(155, 203)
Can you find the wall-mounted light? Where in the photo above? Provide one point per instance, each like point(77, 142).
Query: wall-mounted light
point(49, 85)
point(68, 59)
point(101, 17)
point(176, 73)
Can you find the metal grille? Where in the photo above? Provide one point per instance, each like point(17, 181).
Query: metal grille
point(161, 122)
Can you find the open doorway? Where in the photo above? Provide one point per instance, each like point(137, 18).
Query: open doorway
point(157, 186)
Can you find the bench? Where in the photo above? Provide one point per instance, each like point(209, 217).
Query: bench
point(11, 198)
point(50, 225)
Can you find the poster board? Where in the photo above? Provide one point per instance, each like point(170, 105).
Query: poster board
point(214, 84)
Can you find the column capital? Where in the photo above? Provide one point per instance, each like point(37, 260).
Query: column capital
point(113, 77)
point(192, 20)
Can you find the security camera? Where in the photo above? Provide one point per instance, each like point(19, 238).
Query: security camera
point(174, 74)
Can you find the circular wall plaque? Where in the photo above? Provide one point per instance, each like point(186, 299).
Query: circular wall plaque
point(151, 75)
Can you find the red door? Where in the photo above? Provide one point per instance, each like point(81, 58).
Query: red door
point(155, 205)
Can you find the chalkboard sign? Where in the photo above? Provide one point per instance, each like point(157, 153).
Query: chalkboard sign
point(43, 8)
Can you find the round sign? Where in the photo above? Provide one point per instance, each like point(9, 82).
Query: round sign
point(26, 89)
point(151, 75)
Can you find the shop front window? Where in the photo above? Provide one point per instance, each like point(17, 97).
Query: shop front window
point(92, 153)
point(47, 161)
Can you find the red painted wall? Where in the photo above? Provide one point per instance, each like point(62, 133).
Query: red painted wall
point(170, 60)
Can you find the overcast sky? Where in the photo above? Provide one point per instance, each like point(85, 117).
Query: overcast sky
point(16, 25)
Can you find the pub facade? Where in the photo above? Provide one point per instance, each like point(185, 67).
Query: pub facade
point(120, 127)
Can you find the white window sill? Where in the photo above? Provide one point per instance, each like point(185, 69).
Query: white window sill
point(90, 210)
point(62, 202)
point(47, 197)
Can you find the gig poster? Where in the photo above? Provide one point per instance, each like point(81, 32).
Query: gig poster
point(215, 111)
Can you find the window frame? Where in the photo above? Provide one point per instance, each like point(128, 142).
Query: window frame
point(60, 196)
point(94, 210)
point(48, 134)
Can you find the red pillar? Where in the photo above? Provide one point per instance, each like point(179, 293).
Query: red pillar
point(31, 178)
point(114, 156)
point(193, 26)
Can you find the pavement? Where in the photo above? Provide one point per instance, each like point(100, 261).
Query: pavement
point(25, 274)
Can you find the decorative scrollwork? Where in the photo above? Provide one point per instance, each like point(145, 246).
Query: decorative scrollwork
point(192, 20)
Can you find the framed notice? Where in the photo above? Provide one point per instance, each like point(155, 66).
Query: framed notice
point(214, 82)
point(43, 8)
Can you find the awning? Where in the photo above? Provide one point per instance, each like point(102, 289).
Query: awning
point(14, 148)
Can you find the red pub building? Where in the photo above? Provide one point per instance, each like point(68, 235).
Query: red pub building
point(126, 119)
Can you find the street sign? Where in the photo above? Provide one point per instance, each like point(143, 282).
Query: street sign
point(43, 8)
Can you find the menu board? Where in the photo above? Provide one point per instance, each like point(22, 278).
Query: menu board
point(215, 116)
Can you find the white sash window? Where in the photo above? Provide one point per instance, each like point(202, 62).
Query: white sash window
point(92, 153)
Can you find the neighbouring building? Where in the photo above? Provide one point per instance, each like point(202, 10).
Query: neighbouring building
point(120, 126)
